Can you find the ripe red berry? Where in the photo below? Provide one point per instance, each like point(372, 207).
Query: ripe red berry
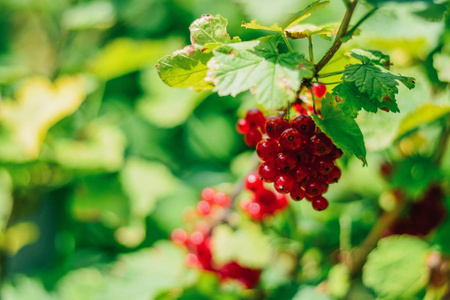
point(320, 144)
point(267, 149)
point(265, 197)
point(286, 161)
point(203, 208)
point(253, 137)
point(208, 194)
point(274, 126)
point(291, 139)
point(335, 153)
point(253, 182)
point(304, 156)
point(179, 236)
point(221, 199)
point(314, 187)
point(319, 90)
point(319, 203)
point(304, 124)
point(242, 126)
point(268, 171)
point(300, 173)
point(324, 164)
point(333, 176)
point(284, 183)
point(255, 118)
point(297, 193)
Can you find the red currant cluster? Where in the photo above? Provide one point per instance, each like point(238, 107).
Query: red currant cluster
point(296, 156)
point(198, 243)
point(264, 202)
point(252, 127)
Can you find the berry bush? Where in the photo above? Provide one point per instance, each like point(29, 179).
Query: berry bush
point(278, 150)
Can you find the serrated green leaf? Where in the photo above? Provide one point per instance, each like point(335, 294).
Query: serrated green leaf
point(210, 29)
point(342, 129)
point(397, 268)
point(301, 31)
point(185, 69)
point(273, 77)
point(379, 85)
point(305, 13)
point(350, 100)
point(372, 57)
point(255, 25)
point(423, 114)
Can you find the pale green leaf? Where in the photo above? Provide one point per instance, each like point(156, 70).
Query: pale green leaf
point(91, 15)
point(423, 114)
point(301, 31)
point(441, 62)
point(26, 288)
point(210, 29)
point(343, 130)
point(396, 268)
point(185, 69)
point(339, 281)
point(38, 105)
point(255, 25)
point(274, 78)
point(310, 292)
point(305, 13)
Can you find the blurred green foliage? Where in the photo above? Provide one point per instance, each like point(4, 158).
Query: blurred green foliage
point(99, 160)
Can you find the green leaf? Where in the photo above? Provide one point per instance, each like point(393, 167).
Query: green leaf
point(274, 78)
point(26, 288)
point(423, 114)
point(381, 2)
point(249, 246)
point(301, 31)
point(350, 100)
point(310, 292)
point(255, 25)
point(185, 69)
point(209, 29)
point(305, 13)
point(397, 268)
point(372, 57)
point(92, 15)
point(342, 129)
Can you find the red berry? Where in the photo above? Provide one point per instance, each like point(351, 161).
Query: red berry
point(265, 197)
point(291, 139)
point(208, 194)
point(203, 208)
point(333, 176)
point(335, 153)
point(282, 202)
point(297, 193)
point(319, 203)
point(179, 236)
point(268, 171)
point(253, 182)
point(300, 109)
point(304, 124)
point(275, 125)
point(221, 199)
point(285, 161)
point(320, 144)
point(242, 126)
point(284, 183)
point(319, 90)
point(255, 118)
point(252, 137)
point(267, 149)
point(304, 156)
point(315, 187)
point(300, 173)
point(324, 164)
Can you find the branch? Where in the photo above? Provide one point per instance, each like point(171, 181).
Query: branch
point(337, 41)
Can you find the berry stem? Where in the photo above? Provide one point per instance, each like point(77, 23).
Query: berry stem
point(310, 49)
point(313, 100)
point(341, 32)
point(442, 144)
point(353, 29)
point(329, 74)
point(327, 83)
point(287, 42)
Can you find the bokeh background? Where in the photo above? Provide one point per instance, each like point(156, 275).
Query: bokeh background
point(99, 159)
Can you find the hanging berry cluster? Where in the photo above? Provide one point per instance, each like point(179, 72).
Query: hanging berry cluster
point(296, 156)
point(211, 209)
point(264, 202)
